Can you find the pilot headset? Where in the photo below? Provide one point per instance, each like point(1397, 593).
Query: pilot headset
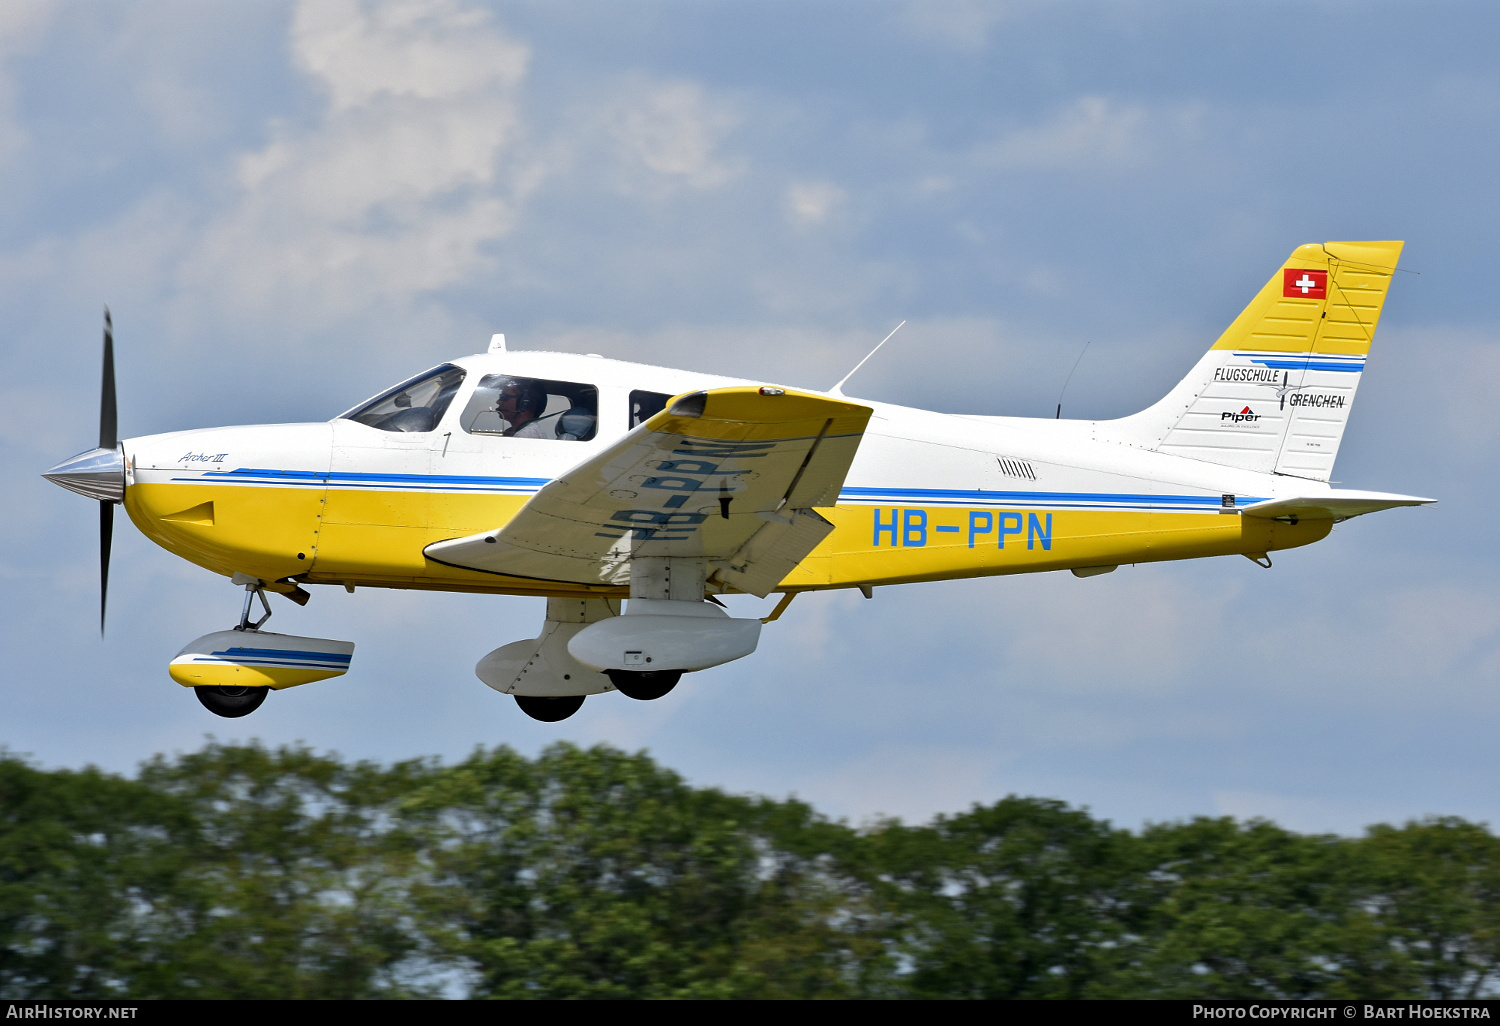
point(530, 397)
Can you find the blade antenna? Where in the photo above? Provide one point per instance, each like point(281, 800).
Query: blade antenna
point(108, 439)
point(839, 388)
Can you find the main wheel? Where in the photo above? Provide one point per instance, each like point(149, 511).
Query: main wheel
point(231, 701)
point(549, 710)
point(644, 686)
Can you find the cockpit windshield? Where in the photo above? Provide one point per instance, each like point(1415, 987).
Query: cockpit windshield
point(414, 405)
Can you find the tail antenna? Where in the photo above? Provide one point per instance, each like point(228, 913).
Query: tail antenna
point(838, 389)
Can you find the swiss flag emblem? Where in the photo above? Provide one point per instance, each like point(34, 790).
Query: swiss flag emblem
point(1304, 284)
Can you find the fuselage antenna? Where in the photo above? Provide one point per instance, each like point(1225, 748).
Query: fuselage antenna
point(839, 388)
point(1070, 378)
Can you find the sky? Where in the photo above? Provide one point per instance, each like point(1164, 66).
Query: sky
point(290, 206)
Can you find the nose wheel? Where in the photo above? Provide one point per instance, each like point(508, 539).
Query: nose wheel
point(231, 702)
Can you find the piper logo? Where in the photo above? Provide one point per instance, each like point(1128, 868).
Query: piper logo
point(1239, 418)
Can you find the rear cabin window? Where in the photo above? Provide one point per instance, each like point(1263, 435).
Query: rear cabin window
point(645, 405)
point(516, 407)
point(414, 405)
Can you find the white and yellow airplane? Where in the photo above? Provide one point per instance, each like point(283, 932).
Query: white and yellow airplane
point(590, 481)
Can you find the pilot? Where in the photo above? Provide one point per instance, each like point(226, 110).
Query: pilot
point(519, 403)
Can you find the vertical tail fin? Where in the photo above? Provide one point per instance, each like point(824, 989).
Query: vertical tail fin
point(1274, 392)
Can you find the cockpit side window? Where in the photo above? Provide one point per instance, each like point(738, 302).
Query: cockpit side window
point(645, 405)
point(414, 405)
point(515, 407)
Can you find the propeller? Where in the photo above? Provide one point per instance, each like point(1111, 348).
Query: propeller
point(107, 440)
point(100, 472)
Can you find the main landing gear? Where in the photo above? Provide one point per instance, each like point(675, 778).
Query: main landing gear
point(588, 646)
point(549, 710)
point(644, 686)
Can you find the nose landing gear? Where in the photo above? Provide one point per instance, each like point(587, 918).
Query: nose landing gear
point(232, 671)
point(252, 592)
point(229, 700)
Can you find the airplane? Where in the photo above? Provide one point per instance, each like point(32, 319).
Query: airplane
point(633, 497)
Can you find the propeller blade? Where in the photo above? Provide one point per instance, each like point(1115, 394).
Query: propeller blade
point(107, 432)
point(106, 536)
point(108, 439)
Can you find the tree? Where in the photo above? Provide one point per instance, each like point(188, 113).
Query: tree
point(1430, 892)
point(284, 876)
point(241, 871)
point(77, 858)
point(1025, 898)
point(599, 874)
point(1239, 910)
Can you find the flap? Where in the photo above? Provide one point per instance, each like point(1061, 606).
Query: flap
point(773, 552)
point(698, 480)
point(1332, 505)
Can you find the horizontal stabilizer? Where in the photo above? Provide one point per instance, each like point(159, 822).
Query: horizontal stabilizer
point(1332, 505)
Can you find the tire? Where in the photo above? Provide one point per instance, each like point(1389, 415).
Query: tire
point(549, 710)
point(644, 686)
point(231, 702)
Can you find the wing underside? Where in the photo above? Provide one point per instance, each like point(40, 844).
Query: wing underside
point(731, 476)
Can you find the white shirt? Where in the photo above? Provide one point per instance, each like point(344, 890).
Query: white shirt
point(545, 427)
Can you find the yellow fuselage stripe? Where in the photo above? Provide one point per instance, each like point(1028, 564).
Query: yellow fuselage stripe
point(376, 538)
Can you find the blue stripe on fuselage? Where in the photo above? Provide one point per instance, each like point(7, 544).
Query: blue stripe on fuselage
point(1140, 501)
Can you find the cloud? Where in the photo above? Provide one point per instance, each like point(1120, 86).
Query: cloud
point(414, 49)
point(1091, 133)
point(408, 175)
point(22, 24)
point(672, 129)
point(810, 203)
point(963, 25)
point(397, 187)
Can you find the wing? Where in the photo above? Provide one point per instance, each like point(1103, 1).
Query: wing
point(730, 476)
point(1336, 504)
